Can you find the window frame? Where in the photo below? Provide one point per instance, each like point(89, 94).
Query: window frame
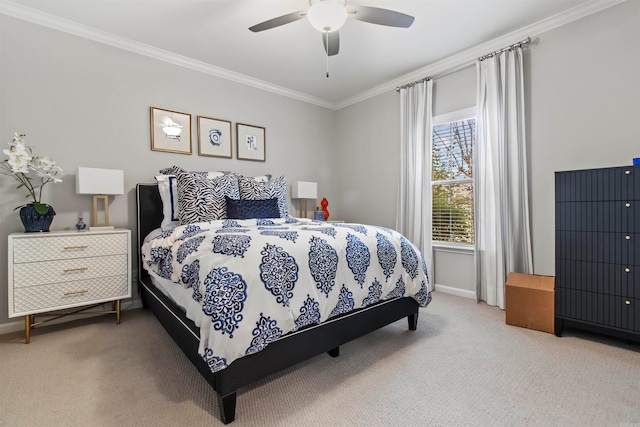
point(440, 119)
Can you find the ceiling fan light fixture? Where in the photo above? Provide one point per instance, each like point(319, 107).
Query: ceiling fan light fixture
point(327, 15)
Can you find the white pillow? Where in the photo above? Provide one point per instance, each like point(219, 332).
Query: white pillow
point(169, 195)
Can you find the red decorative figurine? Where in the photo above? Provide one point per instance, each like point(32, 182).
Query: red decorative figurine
point(324, 203)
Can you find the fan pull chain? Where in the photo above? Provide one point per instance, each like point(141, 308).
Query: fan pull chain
point(326, 35)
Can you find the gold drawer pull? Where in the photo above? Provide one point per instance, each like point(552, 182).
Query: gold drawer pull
point(628, 204)
point(627, 302)
point(626, 270)
point(67, 270)
point(70, 293)
point(66, 248)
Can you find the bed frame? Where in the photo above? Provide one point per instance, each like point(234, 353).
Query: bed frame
point(287, 351)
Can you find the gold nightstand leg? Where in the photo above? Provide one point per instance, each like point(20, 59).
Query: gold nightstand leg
point(27, 328)
point(118, 311)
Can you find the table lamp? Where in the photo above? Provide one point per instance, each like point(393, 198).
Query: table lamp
point(101, 183)
point(304, 190)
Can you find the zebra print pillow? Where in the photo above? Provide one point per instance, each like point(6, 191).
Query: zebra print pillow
point(167, 187)
point(251, 189)
point(202, 199)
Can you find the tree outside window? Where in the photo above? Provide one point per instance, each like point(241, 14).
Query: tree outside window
point(452, 181)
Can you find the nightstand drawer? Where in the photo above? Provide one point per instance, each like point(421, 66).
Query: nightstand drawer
point(32, 299)
point(66, 269)
point(40, 273)
point(68, 247)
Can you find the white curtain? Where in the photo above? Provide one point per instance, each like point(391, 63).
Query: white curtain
point(413, 218)
point(503, 238)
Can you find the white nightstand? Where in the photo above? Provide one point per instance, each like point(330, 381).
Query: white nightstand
point(66, 269)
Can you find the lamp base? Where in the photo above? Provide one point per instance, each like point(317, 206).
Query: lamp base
point(97, 224)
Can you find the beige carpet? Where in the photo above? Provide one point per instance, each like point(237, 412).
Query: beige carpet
point(462, 367)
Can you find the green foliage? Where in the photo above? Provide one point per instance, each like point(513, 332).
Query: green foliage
point(41, 208)
point(452, 160)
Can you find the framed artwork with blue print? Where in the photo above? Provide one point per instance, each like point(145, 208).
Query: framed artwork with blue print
point(170, 131)
point(251, 142)
point(214, 137)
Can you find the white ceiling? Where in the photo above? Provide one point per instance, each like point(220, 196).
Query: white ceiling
point(213, 35)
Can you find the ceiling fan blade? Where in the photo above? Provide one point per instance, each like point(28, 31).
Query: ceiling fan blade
point(375, 15)
point(280, 20)
point(334, 43)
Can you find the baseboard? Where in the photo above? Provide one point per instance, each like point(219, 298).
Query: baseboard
point(18, 325)
point(455, 291)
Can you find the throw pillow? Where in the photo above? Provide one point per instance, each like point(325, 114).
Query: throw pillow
point(248, 209)
point(251, 189)
point(203, 199)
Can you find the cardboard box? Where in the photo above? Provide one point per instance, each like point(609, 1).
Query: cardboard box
point(529, 301)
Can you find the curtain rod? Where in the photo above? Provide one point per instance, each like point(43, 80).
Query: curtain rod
point(466, 64)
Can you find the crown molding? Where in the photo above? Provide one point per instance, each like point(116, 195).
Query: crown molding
point(47, 20)
point(468, 56)
point(459, 60)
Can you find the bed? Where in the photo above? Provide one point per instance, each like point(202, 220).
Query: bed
point(290, 348)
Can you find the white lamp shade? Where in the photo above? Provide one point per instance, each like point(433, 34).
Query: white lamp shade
point(327, 15)
point(99, 181)
point(304, 190)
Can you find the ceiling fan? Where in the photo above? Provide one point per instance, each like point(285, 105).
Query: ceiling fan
point(327, 16)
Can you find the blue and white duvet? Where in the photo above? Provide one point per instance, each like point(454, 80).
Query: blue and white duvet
point(258, 279)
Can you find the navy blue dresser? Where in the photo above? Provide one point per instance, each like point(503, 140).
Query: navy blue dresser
point(598, 251)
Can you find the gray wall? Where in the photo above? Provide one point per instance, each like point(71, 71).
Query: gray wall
point(367, 160)
point(582, 111)
point(87, 104)
point(583, 90)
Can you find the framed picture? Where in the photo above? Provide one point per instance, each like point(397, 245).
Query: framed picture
point(214, 137)
point(170, 131)
point(251, 142)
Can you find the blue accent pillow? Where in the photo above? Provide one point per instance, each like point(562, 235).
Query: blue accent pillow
point(248, 209)
point(250, 189)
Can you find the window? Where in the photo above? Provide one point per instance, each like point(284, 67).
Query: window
point(454, 137)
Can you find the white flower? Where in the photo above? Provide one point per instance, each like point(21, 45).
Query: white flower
point(16, 150)
point(44, 164)
point(21, 163)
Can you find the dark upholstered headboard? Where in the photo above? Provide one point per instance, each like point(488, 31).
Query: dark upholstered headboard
point(149, 210)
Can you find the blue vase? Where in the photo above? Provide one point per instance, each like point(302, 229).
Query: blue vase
point(33, 221)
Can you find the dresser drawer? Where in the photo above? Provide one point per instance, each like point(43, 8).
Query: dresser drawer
point(619, 183)
point(611, 279)
point(610, 216)
point(612, 248)
point(33, 299)
point(608, 310)
point(33, 273)
point(68, 247)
